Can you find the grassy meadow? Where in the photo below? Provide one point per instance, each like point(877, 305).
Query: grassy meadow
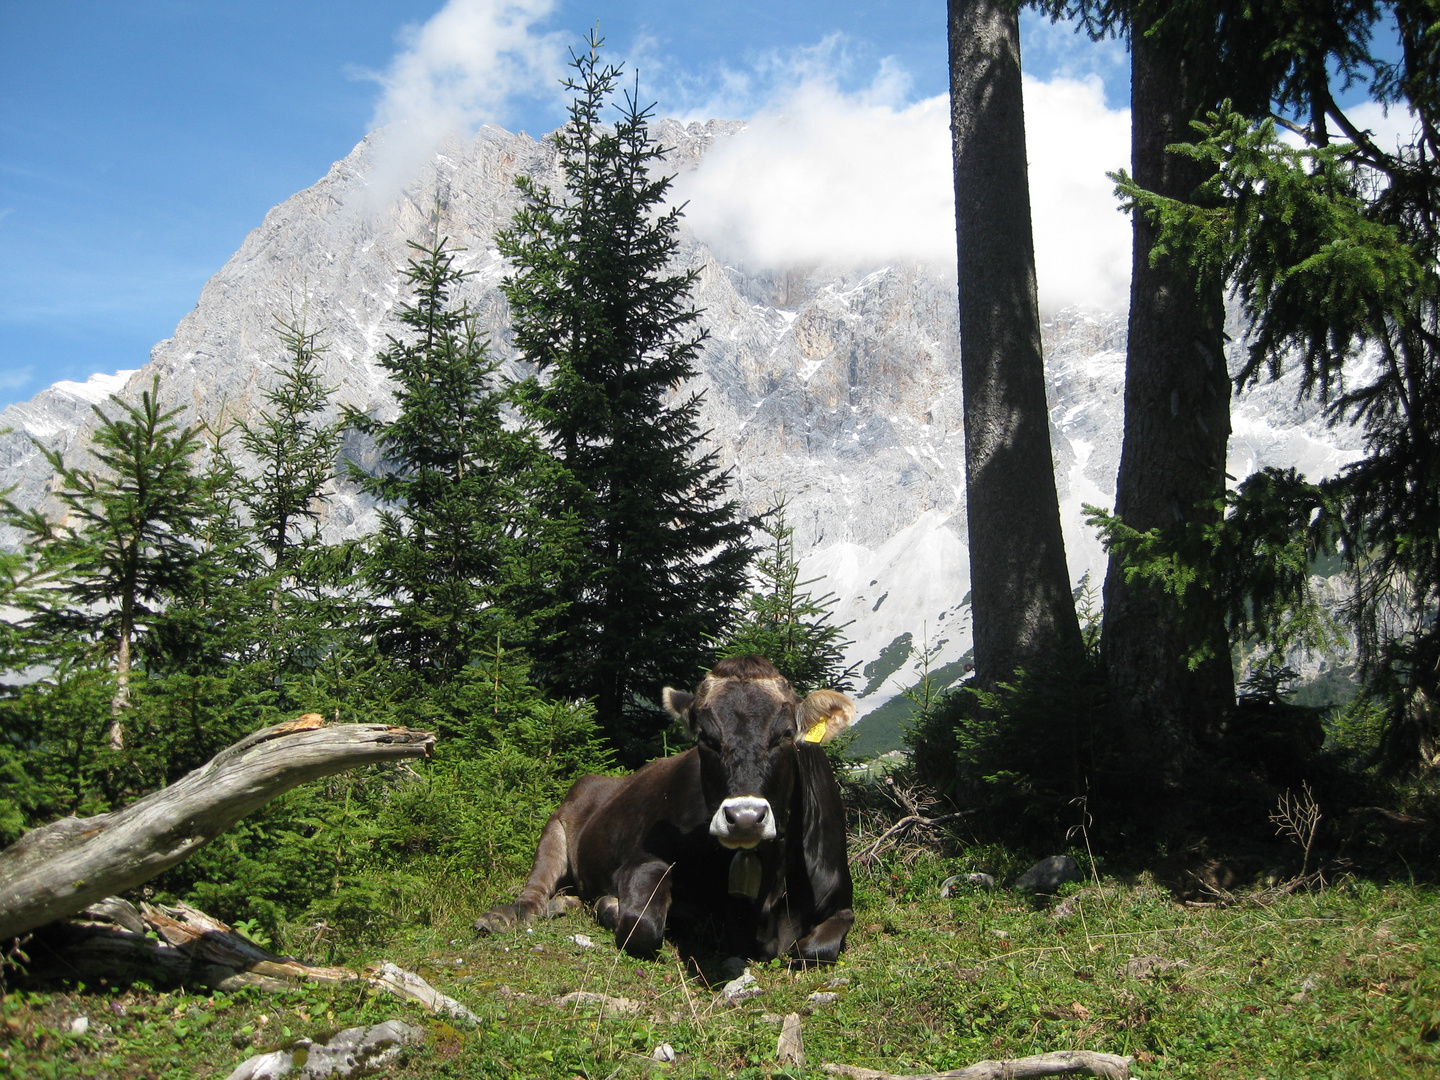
point(1339, 982)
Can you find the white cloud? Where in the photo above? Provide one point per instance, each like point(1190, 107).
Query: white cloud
point(821, 175)
point(14, 378)
point(467, 66)
point(1389, 126)
point(1082, 241)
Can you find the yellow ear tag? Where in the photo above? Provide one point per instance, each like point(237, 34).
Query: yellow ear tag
point(816, 733)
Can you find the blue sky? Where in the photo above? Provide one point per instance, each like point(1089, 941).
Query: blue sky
point(140, 142)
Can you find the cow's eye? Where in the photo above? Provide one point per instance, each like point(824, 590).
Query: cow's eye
point(708, 740)
point(788, 735)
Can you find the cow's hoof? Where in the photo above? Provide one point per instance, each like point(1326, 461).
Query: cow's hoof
point(561, 905)
point(607, 912)
point(496, 920)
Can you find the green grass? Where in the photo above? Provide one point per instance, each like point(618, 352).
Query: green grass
point(1341, 983)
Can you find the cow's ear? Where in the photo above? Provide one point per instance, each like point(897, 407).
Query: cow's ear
point(678, 703)
point(824, 714)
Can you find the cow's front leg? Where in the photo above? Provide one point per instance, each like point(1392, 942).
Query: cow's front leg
point(550, 869)
point(638, 911)
point(823, 944)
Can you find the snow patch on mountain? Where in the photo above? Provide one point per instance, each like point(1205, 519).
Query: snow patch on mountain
point(834, 386)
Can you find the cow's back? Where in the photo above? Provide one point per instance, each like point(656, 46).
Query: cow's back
point(658, 810)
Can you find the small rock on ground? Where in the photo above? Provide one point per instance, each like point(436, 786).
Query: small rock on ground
point(951, 885)
point(1144, 967)
point(352, 1052)
point(1047, 875)
point(742, 988)
point(609, 1006)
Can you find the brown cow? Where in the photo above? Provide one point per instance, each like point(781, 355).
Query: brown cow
point(743, 833)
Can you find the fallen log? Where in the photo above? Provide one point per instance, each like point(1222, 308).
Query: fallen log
point(62, 868)
point(1061, 1063)
point(197, 950)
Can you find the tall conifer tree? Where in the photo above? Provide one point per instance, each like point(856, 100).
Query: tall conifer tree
point(1022, 606)
point(129, 544)
point(464, 559)
point(1333, 249)
point(295, 450)
point(598, 309)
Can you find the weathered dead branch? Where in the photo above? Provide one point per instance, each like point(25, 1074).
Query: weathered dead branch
point(198, 950)
point(1061, 1063)
point(61, 868)
point(873, 851)
point(1260, 898)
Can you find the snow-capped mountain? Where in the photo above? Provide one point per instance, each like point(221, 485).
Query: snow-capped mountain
point(835, 386)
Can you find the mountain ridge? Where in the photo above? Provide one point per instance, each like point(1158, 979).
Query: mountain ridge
point(836, 386)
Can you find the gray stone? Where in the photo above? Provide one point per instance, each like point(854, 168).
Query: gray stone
point(951, 885)
point(1047, 875)
point(269, 1066)
point(608, 1005)
point(742, 988)
point(1147, 967)
point(790, 1047)
point(358, 1050)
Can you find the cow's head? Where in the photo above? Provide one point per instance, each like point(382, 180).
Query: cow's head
point(747, 721)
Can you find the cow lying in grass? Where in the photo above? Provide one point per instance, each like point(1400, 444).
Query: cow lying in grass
point(744, 833)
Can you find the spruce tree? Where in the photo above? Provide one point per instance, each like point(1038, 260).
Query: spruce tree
point(781, 620)
point(295, 450)
point(302, 597)
point(465, 560)
point(128, 543)
point(1332, 248)
point(597, 307)
point(1167, 663)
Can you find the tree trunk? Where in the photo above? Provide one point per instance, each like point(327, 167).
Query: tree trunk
point(1021, 600)
point(195, 950)
point(120, 700)
point(1172, 462)
point(64, 867)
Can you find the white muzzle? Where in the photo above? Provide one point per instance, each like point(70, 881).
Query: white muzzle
point(743, 821)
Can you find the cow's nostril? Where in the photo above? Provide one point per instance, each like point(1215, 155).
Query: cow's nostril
point(747, 815)
point(744, 818)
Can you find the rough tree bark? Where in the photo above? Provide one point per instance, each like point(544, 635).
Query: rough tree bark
point(1021, 602)
point(64, 867)
point(1177, 425)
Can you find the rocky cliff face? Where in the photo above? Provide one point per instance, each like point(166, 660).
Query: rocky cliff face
point(837, 387)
